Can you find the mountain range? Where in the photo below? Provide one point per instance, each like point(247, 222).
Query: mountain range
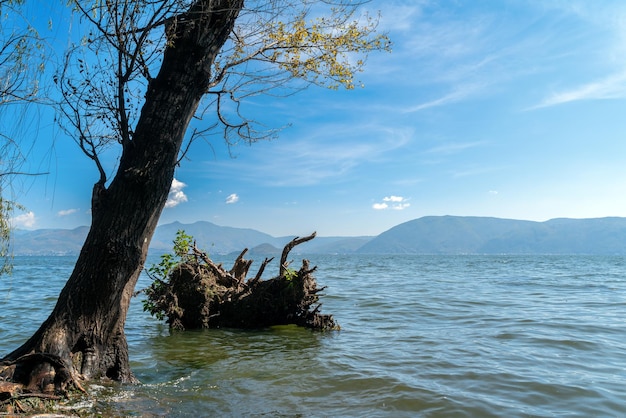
point(427, 235)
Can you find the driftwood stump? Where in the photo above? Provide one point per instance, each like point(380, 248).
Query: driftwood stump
point(202, 294)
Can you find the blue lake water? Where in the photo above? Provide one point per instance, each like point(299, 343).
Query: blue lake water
point(431, 336)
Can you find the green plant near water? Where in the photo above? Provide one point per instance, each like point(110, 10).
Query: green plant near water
point(290, 274)
point(160, 273)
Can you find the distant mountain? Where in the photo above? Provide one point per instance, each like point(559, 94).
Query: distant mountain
point(479, 235)
point(331, 245)
point(427, 235)
point(224, 240)
point(212, 238)
point(267, 250)
point(49, 241)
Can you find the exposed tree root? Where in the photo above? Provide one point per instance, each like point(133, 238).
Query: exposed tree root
point(28, 383)
point(202, 294)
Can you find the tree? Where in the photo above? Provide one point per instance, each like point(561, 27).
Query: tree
point(21, 64)
point(135, 82)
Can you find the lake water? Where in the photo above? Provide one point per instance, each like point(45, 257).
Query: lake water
point(431, 336)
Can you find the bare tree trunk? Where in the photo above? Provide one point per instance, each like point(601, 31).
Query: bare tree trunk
point(86, 328)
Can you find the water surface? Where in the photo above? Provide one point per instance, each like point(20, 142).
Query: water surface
point(431, 336)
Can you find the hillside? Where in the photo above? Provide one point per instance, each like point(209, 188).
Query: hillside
point(427, 235)
point(49, 241)
point(223, 240)
point(480, 235)
point(212, 238)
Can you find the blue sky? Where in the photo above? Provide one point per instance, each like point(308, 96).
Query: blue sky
point(504, 108)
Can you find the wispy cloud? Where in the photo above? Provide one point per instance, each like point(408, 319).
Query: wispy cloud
point(232, 198)
point(25, 220)
point(67, 212)
point(611, 87)
point(176, 196)
point(398, 16)
point(455, 147)
point(474, 171)
point(392, 202)
point(458, 95)
point(462, 58)
point(465, 52)
point(329, 152)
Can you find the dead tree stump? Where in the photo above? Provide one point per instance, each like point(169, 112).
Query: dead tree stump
point(202, 294)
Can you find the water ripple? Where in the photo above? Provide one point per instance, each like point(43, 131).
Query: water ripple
point(429, 336)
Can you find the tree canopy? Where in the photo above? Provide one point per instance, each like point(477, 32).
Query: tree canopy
point(276, 47)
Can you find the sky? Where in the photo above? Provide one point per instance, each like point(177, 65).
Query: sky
point(501, 108)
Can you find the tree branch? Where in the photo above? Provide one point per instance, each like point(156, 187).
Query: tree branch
point(283, 258)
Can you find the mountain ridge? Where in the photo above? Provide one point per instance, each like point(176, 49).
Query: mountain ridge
point(425, 235)
point(487, 235)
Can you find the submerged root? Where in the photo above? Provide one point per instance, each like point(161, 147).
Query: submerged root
point(202, 294)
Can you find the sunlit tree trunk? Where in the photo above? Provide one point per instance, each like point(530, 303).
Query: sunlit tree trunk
point(86, 327)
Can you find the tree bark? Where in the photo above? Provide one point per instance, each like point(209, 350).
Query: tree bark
point(86, 328)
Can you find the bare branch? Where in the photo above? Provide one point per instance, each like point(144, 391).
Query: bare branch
point(283, 258)
point(21, 173)
point(277, 49)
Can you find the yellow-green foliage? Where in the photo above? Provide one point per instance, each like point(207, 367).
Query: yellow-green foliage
point(324, 51)
point(327, 49)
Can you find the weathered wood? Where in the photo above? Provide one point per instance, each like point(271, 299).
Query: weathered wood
point(202, 294)
point(283, 258)
point(261, 269)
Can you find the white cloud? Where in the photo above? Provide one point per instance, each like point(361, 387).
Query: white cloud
point(176, 195)
point(459, 94)
point(400, 206)
point(612, 87)
point(67, 212)
point(25, 220)
point(232, 198)
point(392, 202)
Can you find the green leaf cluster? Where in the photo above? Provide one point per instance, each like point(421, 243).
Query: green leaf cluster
point(160, 273)
point(325, 51)
point(290, 274)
